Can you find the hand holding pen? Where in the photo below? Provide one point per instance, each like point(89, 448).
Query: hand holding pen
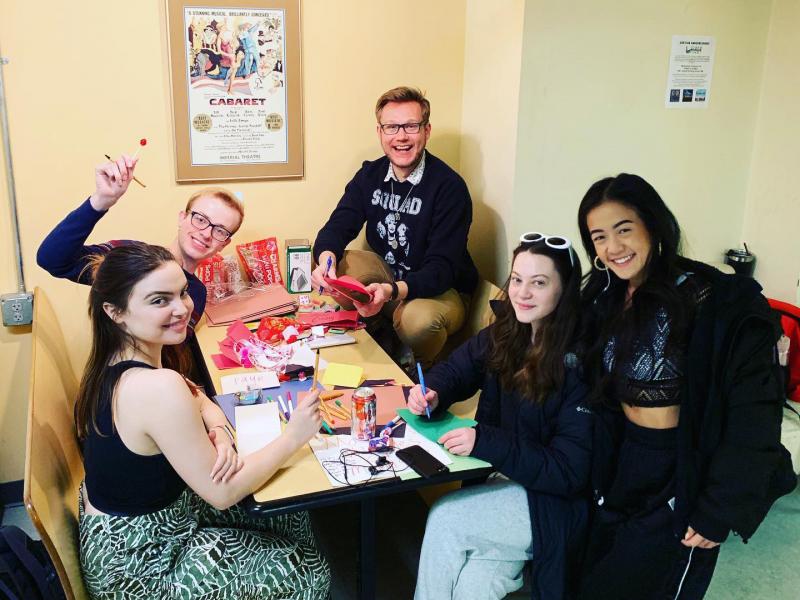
point(325, 268)
point(306, 419)
point(424, 389)
point(419, 401)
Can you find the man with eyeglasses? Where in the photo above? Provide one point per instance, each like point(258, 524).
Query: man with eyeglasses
point(417, 212)
point(205, 226)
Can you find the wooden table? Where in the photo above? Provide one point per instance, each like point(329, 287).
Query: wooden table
point(302, 485)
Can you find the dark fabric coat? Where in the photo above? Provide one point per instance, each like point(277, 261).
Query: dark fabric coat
point(544, 447)
point(731, 466)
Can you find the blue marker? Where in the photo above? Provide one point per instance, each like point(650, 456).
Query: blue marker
point(327, 270)
point(424, 389)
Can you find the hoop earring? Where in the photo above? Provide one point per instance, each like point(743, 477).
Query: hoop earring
point(599, 268)
point(603, 268)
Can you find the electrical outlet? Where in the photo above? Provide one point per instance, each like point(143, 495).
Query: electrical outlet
point(17, 308)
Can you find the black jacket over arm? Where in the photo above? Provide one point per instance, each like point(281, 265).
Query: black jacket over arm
point(543, 447)
point(731, 466)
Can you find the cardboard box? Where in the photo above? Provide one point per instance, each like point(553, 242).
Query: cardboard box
point(298, 266)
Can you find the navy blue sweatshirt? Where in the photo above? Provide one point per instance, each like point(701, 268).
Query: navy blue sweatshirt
point(63, 254)
point(420, 231)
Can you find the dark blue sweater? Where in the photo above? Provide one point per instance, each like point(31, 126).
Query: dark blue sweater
point(545, 448)
point(63, 254)
point(421, 231)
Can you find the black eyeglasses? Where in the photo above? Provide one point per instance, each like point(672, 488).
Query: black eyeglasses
point(393, 128)
point(218, 232)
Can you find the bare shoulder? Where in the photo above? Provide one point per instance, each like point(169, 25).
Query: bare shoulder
point(161, 387)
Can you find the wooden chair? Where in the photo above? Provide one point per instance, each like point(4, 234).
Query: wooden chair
point(53, 463)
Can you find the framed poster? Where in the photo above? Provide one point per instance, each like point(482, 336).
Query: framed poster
point(235, 74)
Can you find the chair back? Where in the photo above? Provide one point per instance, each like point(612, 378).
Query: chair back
point(53, 462)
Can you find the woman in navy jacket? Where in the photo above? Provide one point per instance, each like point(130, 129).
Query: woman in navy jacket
point(532, 427)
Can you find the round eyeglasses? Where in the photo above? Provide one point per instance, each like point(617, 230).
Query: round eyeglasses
point(218, 232)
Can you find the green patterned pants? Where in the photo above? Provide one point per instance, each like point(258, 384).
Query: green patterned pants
point(190, 550)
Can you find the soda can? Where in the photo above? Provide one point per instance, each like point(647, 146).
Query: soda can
point(363, 414)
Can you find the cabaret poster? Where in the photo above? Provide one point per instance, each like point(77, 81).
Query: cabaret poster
point(236, 90)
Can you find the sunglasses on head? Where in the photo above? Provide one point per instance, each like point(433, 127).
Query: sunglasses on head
point(556, 242)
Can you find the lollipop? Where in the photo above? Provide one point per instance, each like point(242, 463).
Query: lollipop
point(142, 144)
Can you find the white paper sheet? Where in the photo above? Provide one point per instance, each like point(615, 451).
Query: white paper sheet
point(256, 427)
point(243, 381)
point(327, 449)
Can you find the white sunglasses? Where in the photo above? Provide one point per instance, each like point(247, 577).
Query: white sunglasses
point(556, 242)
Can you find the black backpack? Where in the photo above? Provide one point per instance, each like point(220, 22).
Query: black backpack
point(26, 571)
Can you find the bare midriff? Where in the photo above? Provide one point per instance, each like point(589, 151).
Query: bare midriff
point(652, 417)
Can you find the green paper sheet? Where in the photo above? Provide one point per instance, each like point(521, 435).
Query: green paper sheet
point(434, 428)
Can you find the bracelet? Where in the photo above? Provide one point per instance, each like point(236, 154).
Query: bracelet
point(228, 432)
point(395, 290)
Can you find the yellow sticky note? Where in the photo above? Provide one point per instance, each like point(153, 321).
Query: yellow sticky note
point(341, 374)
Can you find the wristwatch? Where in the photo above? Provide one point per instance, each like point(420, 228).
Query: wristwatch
point(395, 291)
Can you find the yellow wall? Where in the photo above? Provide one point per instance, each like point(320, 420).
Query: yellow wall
point(773, 200)
point(592, 105)
point(532, 101)
point(492, 55)
point(91, 77)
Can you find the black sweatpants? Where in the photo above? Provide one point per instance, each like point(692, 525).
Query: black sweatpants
point(633, 552)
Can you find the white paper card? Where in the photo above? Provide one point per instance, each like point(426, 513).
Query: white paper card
point(240, 382)
point(257, 426)
point(305, 356)
point(691, 64)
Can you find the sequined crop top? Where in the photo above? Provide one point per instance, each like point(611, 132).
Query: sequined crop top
point(652, 373)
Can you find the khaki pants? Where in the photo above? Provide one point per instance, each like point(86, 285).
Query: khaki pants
point(422, 323)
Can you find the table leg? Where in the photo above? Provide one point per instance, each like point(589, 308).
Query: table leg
point(366, 550)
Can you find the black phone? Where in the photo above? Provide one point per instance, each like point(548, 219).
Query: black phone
point(421, 461)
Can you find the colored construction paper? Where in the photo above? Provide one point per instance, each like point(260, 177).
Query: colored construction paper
point(437, 426)
point(341, 374)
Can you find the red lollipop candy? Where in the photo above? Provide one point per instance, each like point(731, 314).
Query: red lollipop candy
point(142, 144)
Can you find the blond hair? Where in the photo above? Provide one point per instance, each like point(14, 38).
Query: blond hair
point(404, 94)
point(226, 196)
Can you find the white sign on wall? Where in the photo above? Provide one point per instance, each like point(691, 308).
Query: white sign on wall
point(691, 62)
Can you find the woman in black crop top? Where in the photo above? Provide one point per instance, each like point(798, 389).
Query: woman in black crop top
point(688, 402)
point(158, 514)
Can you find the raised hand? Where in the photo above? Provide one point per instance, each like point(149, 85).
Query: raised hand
point(111, 180)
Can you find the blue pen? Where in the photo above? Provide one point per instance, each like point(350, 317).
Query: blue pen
point(424, 389)
point(327, 270)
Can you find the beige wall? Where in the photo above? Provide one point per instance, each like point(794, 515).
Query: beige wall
point(492, 55)
point(773, 200)
point(592, 105)
point(90, 78)
point(532, 101)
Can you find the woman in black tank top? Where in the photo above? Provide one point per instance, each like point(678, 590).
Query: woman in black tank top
point(687, 401)
point(158, 514)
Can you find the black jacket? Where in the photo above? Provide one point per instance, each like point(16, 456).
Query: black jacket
point(544, 447)
point(731, 466)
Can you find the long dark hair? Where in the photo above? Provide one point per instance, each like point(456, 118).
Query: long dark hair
point(536, 369)
point(114, 276)
point(604, 305)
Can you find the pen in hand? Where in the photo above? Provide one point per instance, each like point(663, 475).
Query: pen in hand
point(424, 390)
point(328, 266)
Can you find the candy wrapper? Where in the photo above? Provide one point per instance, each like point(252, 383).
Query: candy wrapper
point(271, 329)
point(222, 276)
point(261, 261)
